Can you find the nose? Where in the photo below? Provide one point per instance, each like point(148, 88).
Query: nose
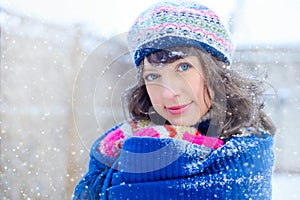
point(169, 88)
point(169, 93)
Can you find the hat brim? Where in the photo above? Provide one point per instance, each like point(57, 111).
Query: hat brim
point(173, 41)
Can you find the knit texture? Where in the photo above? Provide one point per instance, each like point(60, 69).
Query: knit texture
point(179, 23)
point(112, 144)
point(168, 168)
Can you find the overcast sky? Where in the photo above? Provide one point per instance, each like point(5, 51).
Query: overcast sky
point(256, 21)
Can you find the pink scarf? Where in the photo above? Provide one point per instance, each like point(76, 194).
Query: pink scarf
point(112, 143)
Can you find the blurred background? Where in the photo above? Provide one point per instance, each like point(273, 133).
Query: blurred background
point(64, 65)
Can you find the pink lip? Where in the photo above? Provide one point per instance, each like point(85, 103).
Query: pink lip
point(176, 110)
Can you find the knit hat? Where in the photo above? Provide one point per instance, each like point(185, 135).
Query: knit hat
point(179, 23)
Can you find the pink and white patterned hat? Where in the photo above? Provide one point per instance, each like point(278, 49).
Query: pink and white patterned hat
point(179, 23)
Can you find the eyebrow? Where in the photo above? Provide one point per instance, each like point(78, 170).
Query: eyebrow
point(149, 70)
point(150, 67)
point(155, 65)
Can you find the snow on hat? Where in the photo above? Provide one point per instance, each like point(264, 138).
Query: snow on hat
point(179, 23)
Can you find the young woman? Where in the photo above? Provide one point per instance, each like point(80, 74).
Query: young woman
point(197, 128)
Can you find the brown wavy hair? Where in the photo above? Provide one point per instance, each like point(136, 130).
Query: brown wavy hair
point(237, 101)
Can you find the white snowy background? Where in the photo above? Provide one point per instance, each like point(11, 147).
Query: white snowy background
point(56, 97)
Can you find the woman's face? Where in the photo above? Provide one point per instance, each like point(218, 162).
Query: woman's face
point(177, 90)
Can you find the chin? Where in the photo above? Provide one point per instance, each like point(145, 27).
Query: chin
point(183, 122)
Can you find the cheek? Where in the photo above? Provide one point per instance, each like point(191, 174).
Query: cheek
point(156, 99)
point(207, 97)
point(154, 94)
point(200, 91)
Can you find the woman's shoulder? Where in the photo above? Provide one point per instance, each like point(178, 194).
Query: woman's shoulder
point(250, 148)
point(249, 132)
point(250, 139)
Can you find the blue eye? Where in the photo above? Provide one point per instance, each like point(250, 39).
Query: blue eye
point(151, 77)
point(183, 67)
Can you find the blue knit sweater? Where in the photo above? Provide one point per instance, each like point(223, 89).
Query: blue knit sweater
point(155, 168)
